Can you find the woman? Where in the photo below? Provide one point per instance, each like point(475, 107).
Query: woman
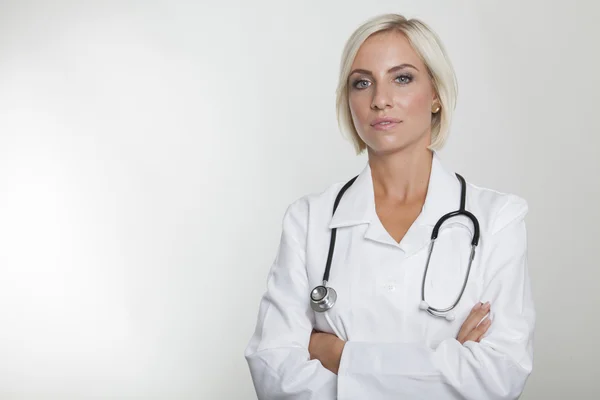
point(381, 339)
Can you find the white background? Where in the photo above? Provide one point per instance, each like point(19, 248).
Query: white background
point(148, 151)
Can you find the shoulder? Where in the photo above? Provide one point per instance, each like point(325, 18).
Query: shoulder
point(495, 209)
point(313, 206)
point(315, 201)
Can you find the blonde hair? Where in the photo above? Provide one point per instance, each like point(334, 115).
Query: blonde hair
point(430, 49)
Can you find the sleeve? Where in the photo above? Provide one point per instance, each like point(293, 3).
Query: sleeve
point(496, 368)
point(277, 353)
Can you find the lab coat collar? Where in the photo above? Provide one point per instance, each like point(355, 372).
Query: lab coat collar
point(357, 206)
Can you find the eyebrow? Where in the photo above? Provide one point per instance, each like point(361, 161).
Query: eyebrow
point(393, 69)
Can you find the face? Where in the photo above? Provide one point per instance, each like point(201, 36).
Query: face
point(389, 80)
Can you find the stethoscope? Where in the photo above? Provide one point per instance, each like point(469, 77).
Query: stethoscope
point(323, 298)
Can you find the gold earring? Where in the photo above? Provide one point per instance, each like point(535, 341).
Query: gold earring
point(435, 108)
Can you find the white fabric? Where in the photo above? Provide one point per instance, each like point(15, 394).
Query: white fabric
point(395, 350)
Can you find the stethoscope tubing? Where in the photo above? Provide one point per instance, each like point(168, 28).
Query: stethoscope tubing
point(320, 295)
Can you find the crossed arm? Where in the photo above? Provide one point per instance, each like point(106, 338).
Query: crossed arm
point(328, 348)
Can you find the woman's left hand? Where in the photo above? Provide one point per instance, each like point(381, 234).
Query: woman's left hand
point(326, 348)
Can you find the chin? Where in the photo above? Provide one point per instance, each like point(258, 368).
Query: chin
point(392, 146)
point(387, 148)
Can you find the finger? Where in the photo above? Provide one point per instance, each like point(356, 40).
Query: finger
point(476, 315)
point(477, 333)
point(482, 329)
point(466, 327)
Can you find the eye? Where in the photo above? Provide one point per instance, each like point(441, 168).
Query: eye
point(358, 84)
point(404, 78)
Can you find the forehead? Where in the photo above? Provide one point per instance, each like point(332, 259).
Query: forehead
point(384, 50)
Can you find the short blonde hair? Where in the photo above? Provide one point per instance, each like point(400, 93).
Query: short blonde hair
point(430, 49)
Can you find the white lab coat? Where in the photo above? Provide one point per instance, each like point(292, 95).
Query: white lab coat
point(393, 349)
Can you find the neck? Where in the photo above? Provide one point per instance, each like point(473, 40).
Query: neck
point(403, 176)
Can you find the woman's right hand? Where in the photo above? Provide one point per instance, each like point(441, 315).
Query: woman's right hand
point(469, 329)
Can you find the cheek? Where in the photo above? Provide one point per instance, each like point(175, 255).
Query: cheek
point(359, 108)
point(416, 103)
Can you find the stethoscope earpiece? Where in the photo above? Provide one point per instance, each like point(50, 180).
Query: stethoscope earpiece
point(448, 315)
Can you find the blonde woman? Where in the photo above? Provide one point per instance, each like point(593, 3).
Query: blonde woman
point(408, 319)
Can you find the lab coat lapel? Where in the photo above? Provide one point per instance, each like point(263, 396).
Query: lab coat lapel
point(443, 193)
point(354, 206)
point(357, 206)
point(443, 196)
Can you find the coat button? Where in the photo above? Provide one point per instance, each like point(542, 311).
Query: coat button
point(390, 285)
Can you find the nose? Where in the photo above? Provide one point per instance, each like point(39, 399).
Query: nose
point(381, 98)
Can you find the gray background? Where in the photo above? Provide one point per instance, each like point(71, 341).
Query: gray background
point(149, 149)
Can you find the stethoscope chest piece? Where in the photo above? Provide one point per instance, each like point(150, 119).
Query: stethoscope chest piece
point(322, 298)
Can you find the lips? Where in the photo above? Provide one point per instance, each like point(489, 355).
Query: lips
point(385, 121)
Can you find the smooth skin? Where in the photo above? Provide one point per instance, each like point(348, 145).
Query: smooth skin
point(389, 79)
